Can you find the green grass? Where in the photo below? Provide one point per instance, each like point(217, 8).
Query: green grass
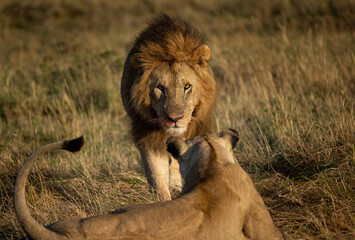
point(286, 81)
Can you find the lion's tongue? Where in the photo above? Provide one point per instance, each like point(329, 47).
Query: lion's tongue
point(169, 123)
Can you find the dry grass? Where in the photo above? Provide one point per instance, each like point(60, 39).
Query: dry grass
point(286, 78)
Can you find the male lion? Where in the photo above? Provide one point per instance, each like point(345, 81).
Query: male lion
point(167, 89)
point(219, 200)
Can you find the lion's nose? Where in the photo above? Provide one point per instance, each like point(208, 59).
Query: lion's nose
point(174, 118)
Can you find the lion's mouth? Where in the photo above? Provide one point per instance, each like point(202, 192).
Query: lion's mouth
point(172, 127)
point(169, 124)
point(175, 130)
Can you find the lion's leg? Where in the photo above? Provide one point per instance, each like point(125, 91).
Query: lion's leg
point(175, 179)
point(156, 168)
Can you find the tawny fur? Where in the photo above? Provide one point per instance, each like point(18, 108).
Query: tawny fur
point(169, 53)
point(219, 201)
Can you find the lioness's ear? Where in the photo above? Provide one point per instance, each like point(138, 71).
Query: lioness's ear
point(176, 146)
point(230, 136)
point(202, 53)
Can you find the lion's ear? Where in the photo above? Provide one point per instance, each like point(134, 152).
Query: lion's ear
point(176, 146)
point(202, 53)
point(230, 136)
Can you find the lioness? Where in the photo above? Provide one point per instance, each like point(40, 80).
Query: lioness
point(219, 200)
point(167, 89)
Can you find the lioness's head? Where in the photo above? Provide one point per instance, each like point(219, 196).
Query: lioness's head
point(174, 79)
point(201, 154)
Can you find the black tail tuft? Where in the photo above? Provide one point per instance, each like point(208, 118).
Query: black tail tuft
point(74, 145)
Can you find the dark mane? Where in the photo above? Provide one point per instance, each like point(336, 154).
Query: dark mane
point(166, 40)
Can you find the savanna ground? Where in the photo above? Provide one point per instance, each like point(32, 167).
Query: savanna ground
point(285, 71)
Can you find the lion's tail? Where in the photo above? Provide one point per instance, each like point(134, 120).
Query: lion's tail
point(34, 229)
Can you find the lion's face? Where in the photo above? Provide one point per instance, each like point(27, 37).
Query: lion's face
point(174, 95)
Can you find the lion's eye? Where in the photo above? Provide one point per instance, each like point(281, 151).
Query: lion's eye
point(187, 86)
